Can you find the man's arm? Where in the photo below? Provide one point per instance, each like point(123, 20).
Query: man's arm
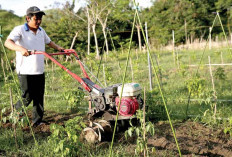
point(57, 47)
point(10, 44)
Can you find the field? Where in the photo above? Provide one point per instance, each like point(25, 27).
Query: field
point(202, 122)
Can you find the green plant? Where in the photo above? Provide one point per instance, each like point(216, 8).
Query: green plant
point(73, 98)
point(140, 131)
point(228, 129)
point(3, 119)
point(195, 86)
point(220, 74)
point(65, 140)
point(156, 110)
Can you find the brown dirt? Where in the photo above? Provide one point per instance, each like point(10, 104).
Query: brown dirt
point(195, 139)
point(50, 117)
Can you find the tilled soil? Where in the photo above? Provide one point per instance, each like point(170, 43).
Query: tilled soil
point(195, 139)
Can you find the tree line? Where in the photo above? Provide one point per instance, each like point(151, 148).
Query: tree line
point(107, 23)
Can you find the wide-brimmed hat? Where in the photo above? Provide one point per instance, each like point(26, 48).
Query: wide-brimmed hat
point(34, 10)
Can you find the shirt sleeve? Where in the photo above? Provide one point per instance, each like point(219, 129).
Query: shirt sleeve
point(47, 39)
point(15, 34)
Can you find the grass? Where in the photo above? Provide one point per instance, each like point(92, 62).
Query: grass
point(59, 84)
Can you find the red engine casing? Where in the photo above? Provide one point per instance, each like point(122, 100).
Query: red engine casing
point(128, 106)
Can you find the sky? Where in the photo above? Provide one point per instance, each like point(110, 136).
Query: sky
point(19, 7)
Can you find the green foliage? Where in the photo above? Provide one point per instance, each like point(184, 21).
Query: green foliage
point(141, 143)
point(65, 141)
point(220, 74)
point(8, 21)
point(73, 98)
point(2, 119)
point(195, 86)
point(168, 15)
point(156, 110)
point(228, 128)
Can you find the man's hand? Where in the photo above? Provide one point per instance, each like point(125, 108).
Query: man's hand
point(60, 49)
point(10, 44)
point(24, 52)
point(57, 47)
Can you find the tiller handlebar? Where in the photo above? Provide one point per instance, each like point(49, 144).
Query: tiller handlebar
point(66, 52)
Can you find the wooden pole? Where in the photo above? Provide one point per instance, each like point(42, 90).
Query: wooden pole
point(89, 29)
point(222, 62)
point(148, 58)
point(211, 74)
point(210, 42)
point(173, 46)
point(136, 51)
point(139, 37)
point(231, 38)
point(122, 48)
point(185, 29)
point(119, 66)
point(71, 47)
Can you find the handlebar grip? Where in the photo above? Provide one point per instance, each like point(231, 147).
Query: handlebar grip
point(31, 52)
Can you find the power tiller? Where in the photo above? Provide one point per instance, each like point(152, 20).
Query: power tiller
point(103, 102)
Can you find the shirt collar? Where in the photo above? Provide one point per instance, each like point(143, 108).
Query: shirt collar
point(26, 27)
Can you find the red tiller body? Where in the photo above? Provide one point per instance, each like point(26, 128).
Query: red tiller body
point(105, 99)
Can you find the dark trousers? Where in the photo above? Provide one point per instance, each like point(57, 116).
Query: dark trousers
point(32, 87)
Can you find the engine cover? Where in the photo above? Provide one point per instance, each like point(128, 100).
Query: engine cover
point(128, 105)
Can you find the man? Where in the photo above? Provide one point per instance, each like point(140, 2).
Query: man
point(30, 68)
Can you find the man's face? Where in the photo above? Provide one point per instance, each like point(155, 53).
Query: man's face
point(35, 21)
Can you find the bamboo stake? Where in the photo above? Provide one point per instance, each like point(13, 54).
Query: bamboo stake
point(14, 126)
point(224, 33)
point(211, 74)
point(222, 58)
point(104, 74)
point(2, 63)
point(148, 58)
point(18, 92)
point(159, 86)
point(144, 123)
point(132, 73)
point(214, 92)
